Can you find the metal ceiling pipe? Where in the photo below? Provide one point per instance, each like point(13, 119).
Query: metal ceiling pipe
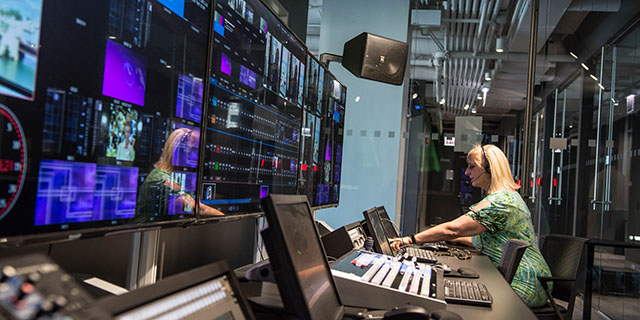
point(466, 26)
point(528, 109)
point(483, 16)
point(518, 15)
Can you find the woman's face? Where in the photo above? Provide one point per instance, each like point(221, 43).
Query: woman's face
point(477, 174)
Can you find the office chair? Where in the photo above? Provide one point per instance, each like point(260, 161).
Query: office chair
point(511, 256)
point(564, 255)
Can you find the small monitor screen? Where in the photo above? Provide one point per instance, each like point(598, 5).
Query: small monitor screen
point(302, 243)
point(389, 227)
point(377, 230)
point(100, 109)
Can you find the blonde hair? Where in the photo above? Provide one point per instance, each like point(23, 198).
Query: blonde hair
point(173, 141)
point(501, 177)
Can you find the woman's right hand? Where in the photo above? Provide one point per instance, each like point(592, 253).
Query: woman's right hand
point(398, 243)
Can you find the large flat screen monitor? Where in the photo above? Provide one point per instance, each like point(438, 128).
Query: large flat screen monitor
point(298, 259)
point(329, 174)
point(100, 109)
point(254, 115)
point(310, 158)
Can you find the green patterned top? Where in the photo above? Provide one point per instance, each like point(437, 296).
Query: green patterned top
point(507, 217)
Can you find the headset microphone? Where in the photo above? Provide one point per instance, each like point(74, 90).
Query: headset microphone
point(469, 182)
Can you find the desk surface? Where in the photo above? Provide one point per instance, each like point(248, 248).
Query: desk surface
point(506, 303)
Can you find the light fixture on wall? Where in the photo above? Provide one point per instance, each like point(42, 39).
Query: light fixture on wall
point(499, 45)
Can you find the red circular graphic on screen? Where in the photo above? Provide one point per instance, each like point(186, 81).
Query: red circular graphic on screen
point(13, 159)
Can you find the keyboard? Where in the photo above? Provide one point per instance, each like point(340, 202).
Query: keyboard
point(421, 255)
point(466, 292)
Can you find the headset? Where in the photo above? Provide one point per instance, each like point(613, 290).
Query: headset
point(486, 160)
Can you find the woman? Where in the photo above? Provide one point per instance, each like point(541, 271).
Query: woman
point(162, 191)
point(500, 216)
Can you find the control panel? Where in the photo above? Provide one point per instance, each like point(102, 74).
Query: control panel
point(34, 287)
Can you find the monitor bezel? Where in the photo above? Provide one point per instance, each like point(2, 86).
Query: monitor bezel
point(116, 305)
point(387, 223)
point(284, 270)
point(373, 233)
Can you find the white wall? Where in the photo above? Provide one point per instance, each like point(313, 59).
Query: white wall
point(370, 163)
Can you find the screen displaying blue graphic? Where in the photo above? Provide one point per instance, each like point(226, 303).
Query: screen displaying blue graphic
point(65, 192)
point(177, 6)
point(189, 98)
point(115, 192)
point(185, 153)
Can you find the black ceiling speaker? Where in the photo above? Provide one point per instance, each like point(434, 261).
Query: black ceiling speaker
point(377, 58)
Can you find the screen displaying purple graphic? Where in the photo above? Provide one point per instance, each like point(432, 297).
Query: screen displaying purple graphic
point(248, 77)
point(336, 173)
point(327, 151)
point(115, 192)
point(65, 192)
point(183, 201)
point(189, 98)
point(225, 64)
point(185, 153)
point(264, 191)
point(322, 193)
point(124, 74)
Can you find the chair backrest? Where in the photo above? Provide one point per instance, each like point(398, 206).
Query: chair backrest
point(564, 255)
point(511, 256)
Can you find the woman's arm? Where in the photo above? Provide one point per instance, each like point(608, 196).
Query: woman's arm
point(462, 226)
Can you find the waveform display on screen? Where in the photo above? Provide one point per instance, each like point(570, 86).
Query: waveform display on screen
point(189, 98)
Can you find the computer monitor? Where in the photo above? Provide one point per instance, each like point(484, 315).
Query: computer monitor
point(94, 99)
point(298, 259)
point(254, 116)
point(376, 231)
point(208, 292)
point(389, 228)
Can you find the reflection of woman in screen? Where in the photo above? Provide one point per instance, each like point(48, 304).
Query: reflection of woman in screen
point(124, 150)
point(274, 71)
point(163, 183)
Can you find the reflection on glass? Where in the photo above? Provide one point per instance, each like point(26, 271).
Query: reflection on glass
point(167, 191)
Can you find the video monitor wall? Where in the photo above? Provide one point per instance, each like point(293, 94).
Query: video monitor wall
point(253, 122)
point(329, 172)
point(100, 111)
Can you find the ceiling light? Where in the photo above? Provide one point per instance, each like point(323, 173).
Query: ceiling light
point(474, 111)
point(414, 96)
point(601, 86)
point(573, 55)
point(499, 45)
point(466, 106)
point(358, 99)
point(584, 66)
point(485, 89)
point(442, 101)
point(487, 76)
point(479, 96)
point(593, 77)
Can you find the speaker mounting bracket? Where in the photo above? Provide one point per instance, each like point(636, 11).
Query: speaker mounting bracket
point(327, 58)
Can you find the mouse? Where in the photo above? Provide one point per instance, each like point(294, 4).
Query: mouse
point(468, 272)
point(445, 315)
point(411, 312)
point(407, 312)
point(442, 266)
